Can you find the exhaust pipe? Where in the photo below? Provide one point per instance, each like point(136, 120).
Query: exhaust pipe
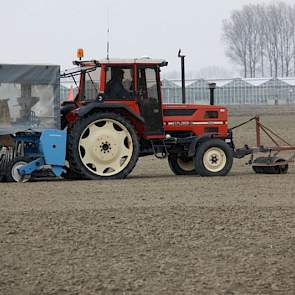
point(182, 75)
point(212, 87)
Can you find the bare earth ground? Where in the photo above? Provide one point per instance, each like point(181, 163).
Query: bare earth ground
point(154, 233)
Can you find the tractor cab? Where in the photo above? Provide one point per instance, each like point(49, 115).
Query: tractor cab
point(133, 85)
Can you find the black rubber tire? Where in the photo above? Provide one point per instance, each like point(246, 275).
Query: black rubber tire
point(71, 175)
point(74, 134)
point(200, 152)
point(9, 176)
point(173, 160)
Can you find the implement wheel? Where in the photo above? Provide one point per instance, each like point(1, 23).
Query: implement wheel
point(102, 146)
point(181, 165)
point(213, 157)
point(12, 170)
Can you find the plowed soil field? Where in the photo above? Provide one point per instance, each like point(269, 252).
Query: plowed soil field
point(155, 233)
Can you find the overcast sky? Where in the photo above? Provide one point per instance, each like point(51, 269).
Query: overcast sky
point(50, 31)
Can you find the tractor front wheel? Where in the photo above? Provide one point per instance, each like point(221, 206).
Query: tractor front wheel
point(102, 146)
point(181, 165)
point(213, 157)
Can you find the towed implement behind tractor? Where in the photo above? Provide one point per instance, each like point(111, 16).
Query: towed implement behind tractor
point(116, 117)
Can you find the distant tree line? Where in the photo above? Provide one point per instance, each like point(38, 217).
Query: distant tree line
point(261, 39)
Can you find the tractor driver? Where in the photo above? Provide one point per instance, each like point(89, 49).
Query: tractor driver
point(114, 88)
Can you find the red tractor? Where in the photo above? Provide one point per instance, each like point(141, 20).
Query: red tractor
point(118, 116)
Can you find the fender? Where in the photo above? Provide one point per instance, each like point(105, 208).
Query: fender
point(96, 105)
point(195, 142)
point(201, 139)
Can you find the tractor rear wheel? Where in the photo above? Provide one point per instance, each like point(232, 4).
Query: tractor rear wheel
point(70, 175)
point(102, 146)
point(181, 165)
point(213, 157)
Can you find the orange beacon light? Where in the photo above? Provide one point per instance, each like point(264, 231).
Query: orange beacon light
point(80, 53)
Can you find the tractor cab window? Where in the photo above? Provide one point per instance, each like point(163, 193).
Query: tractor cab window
point(147, 85)
point(92, 79)
point(119, 83)
point(80, 83)
point(149, 100)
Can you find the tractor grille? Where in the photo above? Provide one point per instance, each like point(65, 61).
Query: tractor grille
point(178, 112)
point(211, 115)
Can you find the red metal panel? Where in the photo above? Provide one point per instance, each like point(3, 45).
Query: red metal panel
point(197, 122)
point(102, 79)
point(132, 104)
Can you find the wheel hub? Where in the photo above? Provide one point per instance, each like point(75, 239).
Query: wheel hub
point(105, 147)
point(214, 159)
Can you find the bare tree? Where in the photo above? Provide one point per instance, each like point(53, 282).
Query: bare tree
point(260, 16)
point(292, 21)
point(257, 33)
point(252, 25)
point(289, 31)
point(273, 27)
point(236, 40)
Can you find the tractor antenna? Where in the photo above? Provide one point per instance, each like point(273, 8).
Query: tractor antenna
point(108, 37)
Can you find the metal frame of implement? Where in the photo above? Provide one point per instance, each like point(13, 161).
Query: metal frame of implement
point(273, 163)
